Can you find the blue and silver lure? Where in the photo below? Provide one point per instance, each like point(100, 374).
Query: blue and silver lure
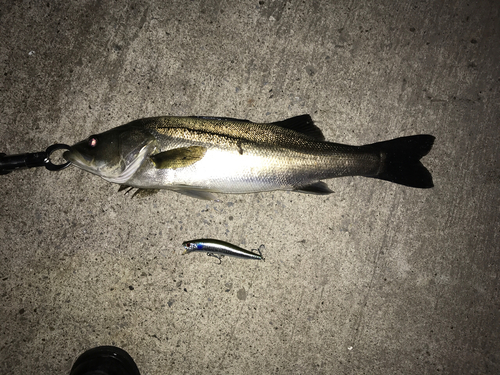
point(218, 249)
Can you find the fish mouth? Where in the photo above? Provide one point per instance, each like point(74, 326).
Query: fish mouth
point(73, 157)
point(68, 156)
point(76, 158)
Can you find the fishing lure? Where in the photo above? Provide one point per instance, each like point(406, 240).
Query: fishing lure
point(218, 249)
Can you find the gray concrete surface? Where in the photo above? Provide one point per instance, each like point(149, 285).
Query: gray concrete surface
point(374, 279)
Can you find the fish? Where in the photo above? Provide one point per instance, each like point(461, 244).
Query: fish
point(218, 249)
point(202, 156)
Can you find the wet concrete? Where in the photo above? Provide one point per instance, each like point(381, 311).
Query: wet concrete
point(376, 278)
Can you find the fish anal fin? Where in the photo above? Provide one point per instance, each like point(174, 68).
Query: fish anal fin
point(197, 193)
point(302, 124)
point(178, 157)
point(318, 188)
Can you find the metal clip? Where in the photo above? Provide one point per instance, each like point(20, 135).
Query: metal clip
point(9, 163)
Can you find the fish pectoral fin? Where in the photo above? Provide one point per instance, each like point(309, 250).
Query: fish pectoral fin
point(178, 157)
point(319, 188)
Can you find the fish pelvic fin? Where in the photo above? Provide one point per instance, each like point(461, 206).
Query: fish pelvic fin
point(139, 193)
point(401, 160)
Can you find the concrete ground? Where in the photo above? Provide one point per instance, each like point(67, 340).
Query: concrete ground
point(376, 278)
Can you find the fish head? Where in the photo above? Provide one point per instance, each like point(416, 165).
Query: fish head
point(114, 155)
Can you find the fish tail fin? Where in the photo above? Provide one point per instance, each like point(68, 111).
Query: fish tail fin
point(401, 160)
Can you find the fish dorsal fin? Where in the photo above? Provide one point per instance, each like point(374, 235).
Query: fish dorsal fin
point(178, 157)
point(302, 124)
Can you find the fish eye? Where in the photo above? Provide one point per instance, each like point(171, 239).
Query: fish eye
point(92, 141)
point(187, 244)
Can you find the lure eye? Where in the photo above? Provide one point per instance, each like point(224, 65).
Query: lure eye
point(92, 141)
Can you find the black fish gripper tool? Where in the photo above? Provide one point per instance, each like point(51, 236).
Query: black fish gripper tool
point(9, 163)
